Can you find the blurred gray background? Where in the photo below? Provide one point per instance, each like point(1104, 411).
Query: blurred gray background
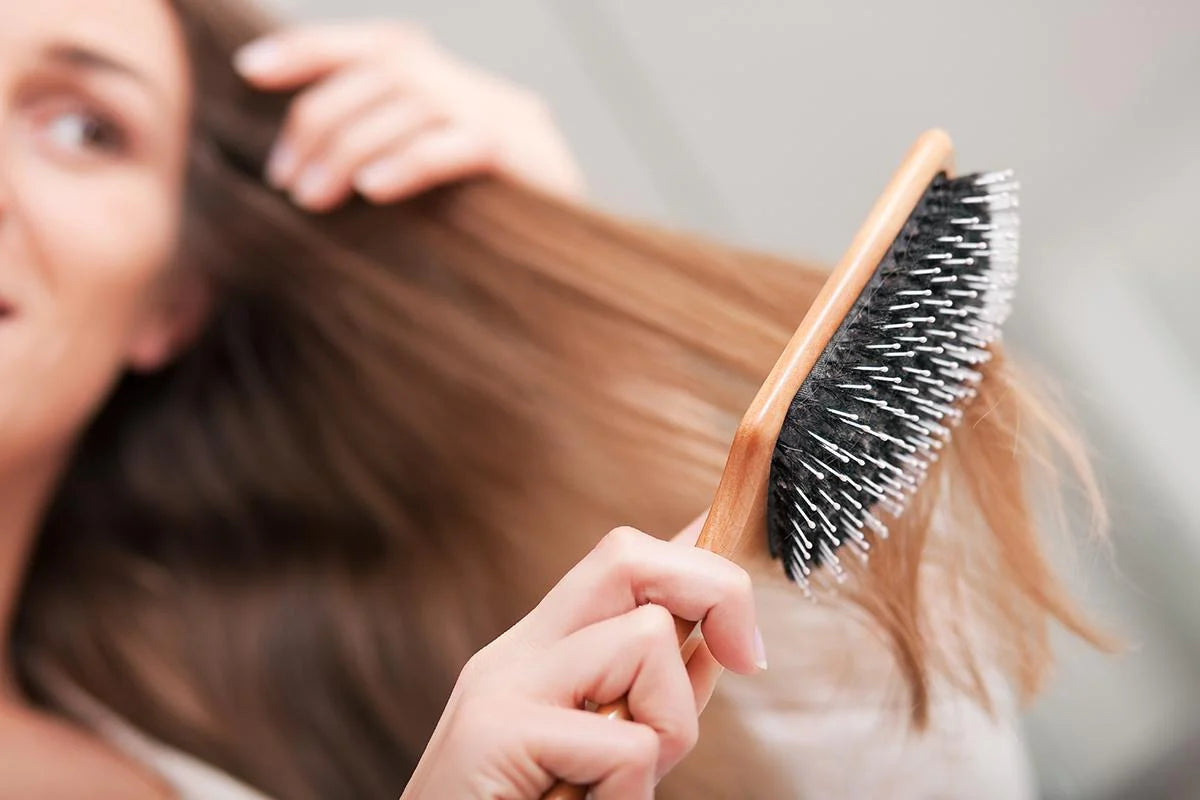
point(775, 124)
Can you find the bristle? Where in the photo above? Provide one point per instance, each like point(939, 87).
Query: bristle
point(883, 397)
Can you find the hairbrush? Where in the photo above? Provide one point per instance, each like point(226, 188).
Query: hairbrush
point(871, 384)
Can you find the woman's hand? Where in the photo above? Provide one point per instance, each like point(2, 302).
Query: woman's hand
point(514, 722)
point(389, 113)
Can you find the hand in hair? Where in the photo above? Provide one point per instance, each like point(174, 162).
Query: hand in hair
point(514, 721)
point(387, 112)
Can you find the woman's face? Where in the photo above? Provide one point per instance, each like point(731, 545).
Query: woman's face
point(94, 106)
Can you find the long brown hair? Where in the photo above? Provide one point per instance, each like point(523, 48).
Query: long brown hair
point(402, 423)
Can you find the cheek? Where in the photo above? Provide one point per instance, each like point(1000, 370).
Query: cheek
point(91, 250)
point(104, 247)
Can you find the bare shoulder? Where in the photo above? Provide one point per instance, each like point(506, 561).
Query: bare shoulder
point(45, 758)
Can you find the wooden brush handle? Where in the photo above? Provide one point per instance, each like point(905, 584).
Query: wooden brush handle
point(619, 709)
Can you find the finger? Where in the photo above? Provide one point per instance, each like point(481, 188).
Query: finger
point(328, 178)
point(689, 535)
point(301, 54)
point(618, 759)
point(437, 156)
point(318, 113)
point(629, 568)
point(703, 671)
point(635, 655)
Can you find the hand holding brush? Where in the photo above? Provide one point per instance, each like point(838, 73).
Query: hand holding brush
point(606, 630)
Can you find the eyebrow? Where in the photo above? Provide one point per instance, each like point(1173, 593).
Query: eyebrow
point(84, 58)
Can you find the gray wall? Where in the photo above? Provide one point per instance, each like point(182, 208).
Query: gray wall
point(776, 123)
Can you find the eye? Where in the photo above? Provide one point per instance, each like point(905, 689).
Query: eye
point(79, 129)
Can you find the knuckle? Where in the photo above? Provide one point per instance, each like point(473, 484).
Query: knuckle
point(476, 667)
point(471, 670)
point(618, 551)
point(488, 680)
point(620, 541)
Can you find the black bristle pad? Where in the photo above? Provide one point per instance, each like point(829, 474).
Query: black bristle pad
point(881, 400)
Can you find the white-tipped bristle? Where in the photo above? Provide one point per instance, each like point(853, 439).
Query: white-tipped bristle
point(881, 402)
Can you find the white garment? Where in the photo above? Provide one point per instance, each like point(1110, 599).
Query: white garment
point(188, 777)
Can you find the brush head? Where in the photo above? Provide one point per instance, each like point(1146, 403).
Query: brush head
point(883, 397)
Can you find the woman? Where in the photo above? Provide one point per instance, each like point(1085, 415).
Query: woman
point(276, 461)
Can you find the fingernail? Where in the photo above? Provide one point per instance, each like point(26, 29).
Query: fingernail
point(280, 165)
point(258, 57)
point(312, 186)
point(760, 652)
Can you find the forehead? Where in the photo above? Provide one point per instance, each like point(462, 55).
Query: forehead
point(142, 34)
